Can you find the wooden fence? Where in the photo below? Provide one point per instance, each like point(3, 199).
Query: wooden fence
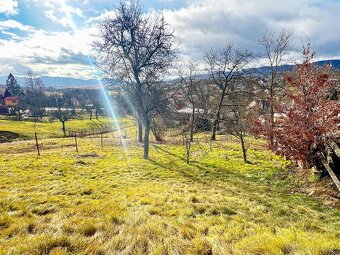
point(331, 161)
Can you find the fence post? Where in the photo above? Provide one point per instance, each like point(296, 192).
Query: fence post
point(36, 143)
point(101, 139)
point(75, 140)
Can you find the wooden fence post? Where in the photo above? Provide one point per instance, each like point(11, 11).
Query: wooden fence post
point(75, 140)
point(101, 139)
point(36, 143)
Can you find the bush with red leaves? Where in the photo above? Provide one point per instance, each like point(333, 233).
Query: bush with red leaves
point(310, 118)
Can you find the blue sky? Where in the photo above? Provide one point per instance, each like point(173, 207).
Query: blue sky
point(53, 37)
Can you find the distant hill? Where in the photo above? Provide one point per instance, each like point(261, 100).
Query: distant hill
point(284, 68)
point(57, 81)
point(73, 82)
point(334, 63)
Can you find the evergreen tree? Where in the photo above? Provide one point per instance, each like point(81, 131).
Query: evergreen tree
point(12, 86)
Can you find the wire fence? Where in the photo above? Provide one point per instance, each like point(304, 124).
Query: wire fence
point(107, 136)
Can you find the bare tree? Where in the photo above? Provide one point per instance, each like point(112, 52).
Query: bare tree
point(239, 116)
point(161, 113)
point(18, 107)
point(63, 110)
point(137, 50)
point(35, 97)
point(190, 80)
point(225, 68)
point(275, 46)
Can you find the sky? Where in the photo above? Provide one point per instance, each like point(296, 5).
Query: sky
point(53, 37)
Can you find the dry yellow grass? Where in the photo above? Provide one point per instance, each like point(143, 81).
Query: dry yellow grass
point(110, 201)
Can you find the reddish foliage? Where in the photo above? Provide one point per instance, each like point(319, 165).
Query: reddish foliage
point(309, 118)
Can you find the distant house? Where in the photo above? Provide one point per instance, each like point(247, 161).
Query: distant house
point(11, 101)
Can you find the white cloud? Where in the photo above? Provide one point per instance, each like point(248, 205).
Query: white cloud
point(61, 13)
point(9, 7)
point(199, 25)
point(49, 53)
point(10, 24)
point(204, 23)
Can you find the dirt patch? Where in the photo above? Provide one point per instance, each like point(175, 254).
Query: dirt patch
point(7, 136)
point(323, 189)
point(89, 155)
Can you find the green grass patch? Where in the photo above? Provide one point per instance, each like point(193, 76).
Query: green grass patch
point(48, 129)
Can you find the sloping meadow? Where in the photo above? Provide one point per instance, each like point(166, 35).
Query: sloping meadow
point(110, 201)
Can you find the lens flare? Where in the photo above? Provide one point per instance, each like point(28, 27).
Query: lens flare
point(109, 104)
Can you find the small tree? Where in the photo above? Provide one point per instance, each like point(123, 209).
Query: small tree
point(63, 110)
point(189, 85)
point(238, 118)
point(35, 97)
point(89, 109)
point(309, 118)
point(18, 107)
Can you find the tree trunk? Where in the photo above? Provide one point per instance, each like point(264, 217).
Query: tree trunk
point(216, 121)
point(214, 129)
point(140, 131)
point(144, 114)
point(64, 130)
point(19, 115)
point(243, 149)
point(146, 139)
point(97, 114)
point(272, 124)
point(187, 147)
point(157, 135)
point(90, 114)
point(192, 124)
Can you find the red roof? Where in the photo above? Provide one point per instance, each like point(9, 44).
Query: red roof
point(11, 98)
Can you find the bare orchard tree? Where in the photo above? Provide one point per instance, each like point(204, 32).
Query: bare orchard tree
point(238, 117)
point(275, 47)
point(161, 113)
point(63, 110)
point(35, 97)
point(136, 49)
point(19, 107)
point(225, 67)
point(190, 82)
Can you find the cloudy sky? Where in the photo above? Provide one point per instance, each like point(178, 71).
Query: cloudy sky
point(53, 37)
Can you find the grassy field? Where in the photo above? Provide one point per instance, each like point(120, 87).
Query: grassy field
point(110, 201)
point(47, 129)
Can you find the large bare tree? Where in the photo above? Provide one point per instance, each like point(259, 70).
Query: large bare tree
point(136, 49)
point(225, 67)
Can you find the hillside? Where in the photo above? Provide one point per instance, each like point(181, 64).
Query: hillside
point(110, 201)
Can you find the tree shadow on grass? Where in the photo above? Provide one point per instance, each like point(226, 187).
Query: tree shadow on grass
point(205, 169)
point(247, 188)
